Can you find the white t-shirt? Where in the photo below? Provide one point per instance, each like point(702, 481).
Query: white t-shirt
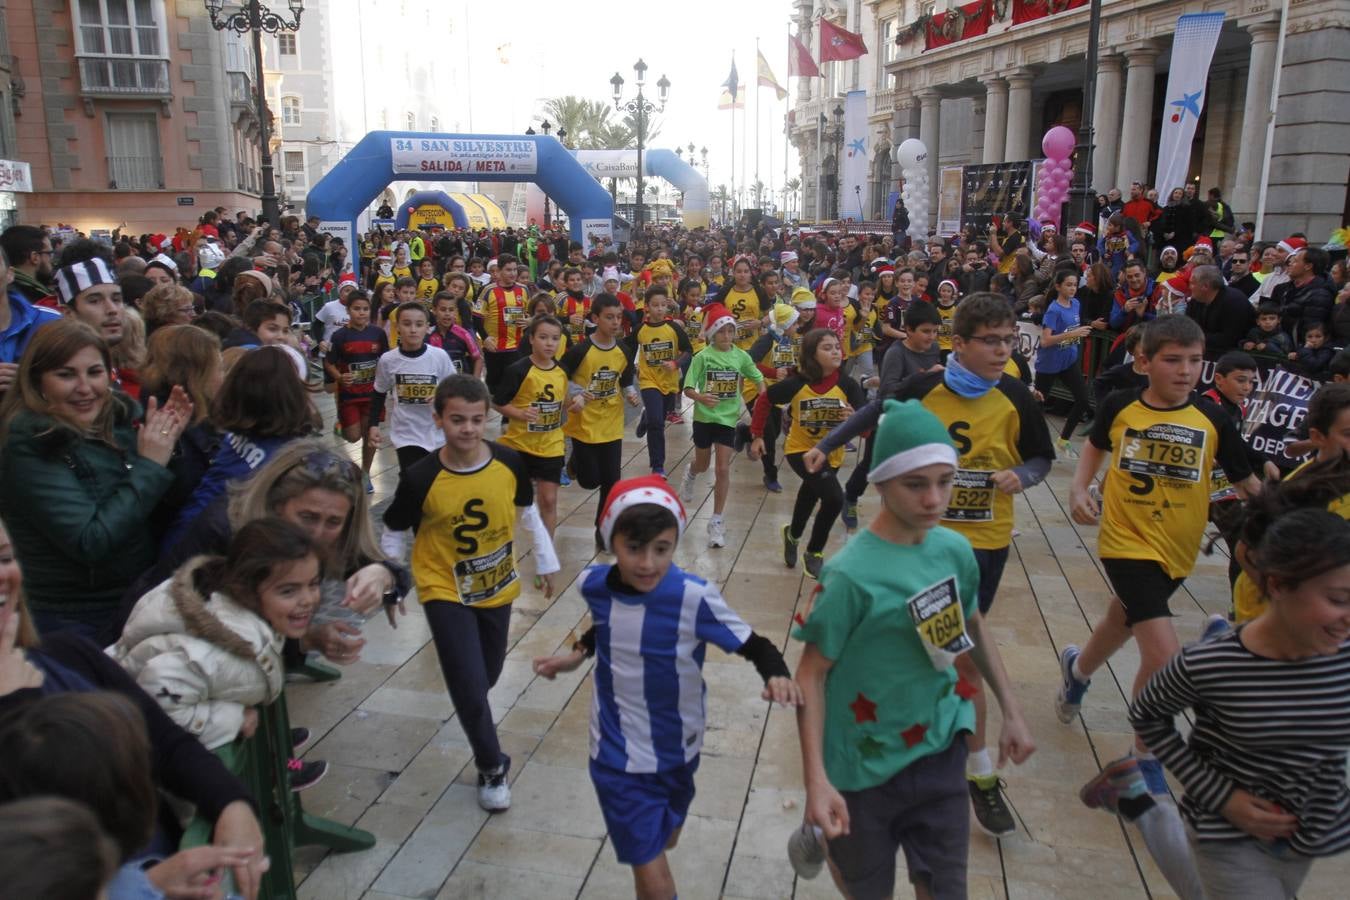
point(409, 385)
point(333, 315)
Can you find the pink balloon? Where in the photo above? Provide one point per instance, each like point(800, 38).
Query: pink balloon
point(1058, 143)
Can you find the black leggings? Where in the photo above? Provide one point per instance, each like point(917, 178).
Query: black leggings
point(597, 466)
point(857, 482)
point(409, 455)
point(822, 487)
point(773, 427)
point(1073, 380)
point(471, 646)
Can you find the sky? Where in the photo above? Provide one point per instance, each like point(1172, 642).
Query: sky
point(523, 52)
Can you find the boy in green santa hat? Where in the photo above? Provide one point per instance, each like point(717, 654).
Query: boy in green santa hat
point(882, 724)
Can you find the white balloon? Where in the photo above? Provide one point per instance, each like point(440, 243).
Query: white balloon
point(911, 154)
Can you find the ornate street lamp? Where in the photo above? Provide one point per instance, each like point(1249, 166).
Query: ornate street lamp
point(255, 18)
point(640, 108)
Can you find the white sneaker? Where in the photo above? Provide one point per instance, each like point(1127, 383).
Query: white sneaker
point(687, 486)
point(494, 794)
point(717, 533)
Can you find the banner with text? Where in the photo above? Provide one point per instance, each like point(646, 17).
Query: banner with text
point(421, 156)
point(949, 200)
point(1276, 409)
point(609, 163)
point(994, 190)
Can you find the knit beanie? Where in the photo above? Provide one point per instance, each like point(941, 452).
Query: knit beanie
point(783, 317)
point(908, 437)
point(635, 492)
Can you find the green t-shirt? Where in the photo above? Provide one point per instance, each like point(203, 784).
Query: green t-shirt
point(719, 372)
point(886, 704)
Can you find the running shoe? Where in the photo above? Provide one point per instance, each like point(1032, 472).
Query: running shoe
point(564, 481)
point(1069, 699)
point(299, 738)
point(687, 486)
point(806, 851)
point(850, 447)
point(641, 430)
point(674, 418)
point(1152, 771)
point(812, 562)
point(304, 774)
point(1064, 449)
point(742, 437)
point(772, 486)
point(370, 485)
point(717, 533)
point(1118, 779)
point(851, 515)
point(494, 794)
point(991, 810)
point(789, 548)
point(1216, 626)
point(659, 470)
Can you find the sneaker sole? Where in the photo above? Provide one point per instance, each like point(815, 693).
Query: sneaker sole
point(297, 788)
point(1112, 770)
point(989, 831)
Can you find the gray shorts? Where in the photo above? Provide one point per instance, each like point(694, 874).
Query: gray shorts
point(1249, 870)
point(925, 810)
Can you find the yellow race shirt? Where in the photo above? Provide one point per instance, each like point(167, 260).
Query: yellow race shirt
point(948, 313)
point(402, 272)
point(525, 385)
point(604, 374)
point(427, 288)
point(998, 430)
point(813, 410)
point(693, 328)
point(1156, 489)
point(658, 349)
point(744, 306)
point(859, 329)
point(464, 551)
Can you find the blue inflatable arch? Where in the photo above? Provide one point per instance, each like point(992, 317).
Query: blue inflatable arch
point(658, 163)
point(431, 198)
point(383, 157)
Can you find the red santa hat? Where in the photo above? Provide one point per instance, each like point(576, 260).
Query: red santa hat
point(632, 492)
point(384, 255)
point(956, 288)
point(347, 278)
point(1292, 245)
point(715, 318)
point(1203, 243)
point(1179, 284)
point(881, 268)
point(1087, 228)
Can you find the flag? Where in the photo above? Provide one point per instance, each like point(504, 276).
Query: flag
point(800, 63)
point(766, 78)
point(724, 102)
point(853, 166)
point(733, 81)
point(1192, 50)
point(838, 44)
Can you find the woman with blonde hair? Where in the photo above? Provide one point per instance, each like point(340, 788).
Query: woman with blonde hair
point(128, 354)
point(78, 480)
point(249, 285)
point(167, 304)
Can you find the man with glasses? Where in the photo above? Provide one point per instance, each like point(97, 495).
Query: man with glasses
point(29, 251)
point(1238, 271)
point(1003, 447)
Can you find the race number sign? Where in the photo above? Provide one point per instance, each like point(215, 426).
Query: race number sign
point(468, 156)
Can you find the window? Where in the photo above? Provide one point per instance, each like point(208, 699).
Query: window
point(121, 46)
point(411, 121)
point(294, 163)
point(290, 110)
point(889, 49)
point(134, 162)
point(286, 44)
point(435, 124)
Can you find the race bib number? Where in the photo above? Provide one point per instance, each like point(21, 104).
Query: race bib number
point(721, 383)
point(481, 578)
point(415, 389)
point(658, 352)
point(604, 383)
point(784, 354)
point(694, 329)
point(1220, 488)
point(363, 372)
point(820, 414)
point(746, 329)
point(550, 416)
point(1163, 451)
point(972, 497)
point(941, 623)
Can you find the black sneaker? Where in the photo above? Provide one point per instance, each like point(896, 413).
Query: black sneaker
point(305, 774)
point(641, 430)
point(299, 738)
point(813, 562)
point(789, 548)
point(741, 438)
point(991, 810)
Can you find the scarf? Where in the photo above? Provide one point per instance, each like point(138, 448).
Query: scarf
point(963, 382)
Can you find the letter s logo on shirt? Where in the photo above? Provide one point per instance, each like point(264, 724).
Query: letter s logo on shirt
point(475, 520)
point(957, 431)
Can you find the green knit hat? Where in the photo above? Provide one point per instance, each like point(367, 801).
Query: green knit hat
point(908, 437)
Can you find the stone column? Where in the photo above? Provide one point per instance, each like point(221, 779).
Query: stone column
point(930, 117)
point(1019, 115)
point(1137, 126)
point(1106, 124)
point(977, 114)
point(995, 119)
point(1255, 108)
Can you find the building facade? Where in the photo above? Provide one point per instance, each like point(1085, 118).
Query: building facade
point(132, 113)
point(990, 98)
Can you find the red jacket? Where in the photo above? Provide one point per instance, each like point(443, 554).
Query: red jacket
point(1142, 210)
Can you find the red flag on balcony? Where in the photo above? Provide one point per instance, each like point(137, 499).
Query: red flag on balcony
point(800, 63)
point(836, 44)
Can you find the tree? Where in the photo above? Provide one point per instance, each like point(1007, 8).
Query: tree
point(793, 185)
point(586, 121)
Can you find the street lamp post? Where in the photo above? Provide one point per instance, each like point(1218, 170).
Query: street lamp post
point(1084, 204)
point(255, 18)
point(640, 108)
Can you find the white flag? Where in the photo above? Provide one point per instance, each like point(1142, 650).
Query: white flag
point(1192, 50)
point(854, 157)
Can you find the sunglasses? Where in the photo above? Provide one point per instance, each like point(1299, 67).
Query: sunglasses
point(322, 464)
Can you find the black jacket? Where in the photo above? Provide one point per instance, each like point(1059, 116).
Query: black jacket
point(1224, 320)
point(1304, 305)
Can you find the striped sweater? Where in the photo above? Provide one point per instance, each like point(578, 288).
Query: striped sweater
point(1277, 729)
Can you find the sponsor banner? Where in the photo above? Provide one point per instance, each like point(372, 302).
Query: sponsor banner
point(469, 156)
point(592, 230)
point(949, 200)
point(1275, 410)
point(1192, 51)
point(608, 163)
point(959, 23)
point(854, 166)
point(994, 189)
point(1031, 10)
point(1028, 343)
point(342, 230)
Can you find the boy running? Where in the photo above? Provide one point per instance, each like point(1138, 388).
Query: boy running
point(652, 622)
point(504, 317)
point(463, 502)
point(658, 346)
point(883, 706)
point(353, 356)
point(411, 371)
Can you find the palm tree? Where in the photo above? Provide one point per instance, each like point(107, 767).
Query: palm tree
point(758, 189)
point(793, 185)
point(584, 120)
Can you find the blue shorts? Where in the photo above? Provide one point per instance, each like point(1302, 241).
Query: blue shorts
point(642, 810)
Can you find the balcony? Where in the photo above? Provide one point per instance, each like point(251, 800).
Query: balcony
point(880, 103)
point(241, 88)
point(121, 76)
point(135, 173)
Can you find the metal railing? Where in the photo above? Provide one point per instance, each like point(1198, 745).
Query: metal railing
point(135, 173)
point(124, 75)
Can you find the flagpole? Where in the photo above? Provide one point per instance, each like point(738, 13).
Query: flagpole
point(757, 105)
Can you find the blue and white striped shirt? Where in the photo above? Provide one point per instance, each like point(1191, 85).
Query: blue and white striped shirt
point(647, 705)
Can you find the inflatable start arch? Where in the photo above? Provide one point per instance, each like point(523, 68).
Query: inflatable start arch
point(657, 164)
point(383, 157)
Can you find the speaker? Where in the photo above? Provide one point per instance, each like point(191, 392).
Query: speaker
point(752, 216)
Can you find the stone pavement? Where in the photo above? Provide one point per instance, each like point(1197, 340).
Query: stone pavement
point(400, 766)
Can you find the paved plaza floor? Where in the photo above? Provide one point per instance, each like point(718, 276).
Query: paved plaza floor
point(400, 766)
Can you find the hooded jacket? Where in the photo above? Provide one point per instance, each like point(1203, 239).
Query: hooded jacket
point(204, 661)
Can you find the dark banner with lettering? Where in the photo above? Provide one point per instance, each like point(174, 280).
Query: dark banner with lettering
point(994, 190)
point(1275, 410)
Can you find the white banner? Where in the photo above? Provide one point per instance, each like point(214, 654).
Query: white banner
point(342, 230)
point(1192, 50)
point(592, 230)
point(853, 159)
point(15, 176)
point(425, 156)
point(608, 163)
point(1029, 342)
